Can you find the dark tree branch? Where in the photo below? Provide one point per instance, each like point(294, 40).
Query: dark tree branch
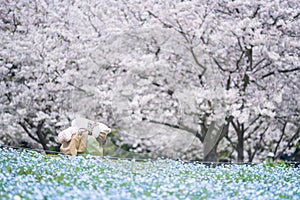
point(218, 64)
point(42, 135)
point(164, 23)
point(180, 30)
point(253, 122)
point(281, 71)
point(231, 143)
point(191, 48)
point(249, 135)
point(180, 127)
point(289, 70)
point(28, 132)
point(251, 157)
point(289, 142)
point(255, 12)
point(239, 61)
point(259, 62)
point(281, 137)
point(262, 67)
point(249, 54)
point(235, 126)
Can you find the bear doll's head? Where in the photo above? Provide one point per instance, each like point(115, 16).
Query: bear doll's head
point(100, 129)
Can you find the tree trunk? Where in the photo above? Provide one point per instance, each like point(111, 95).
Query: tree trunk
point(214, 135)
point(41, 137)
point(239, 129)
point(240, 146)
point(211, 156)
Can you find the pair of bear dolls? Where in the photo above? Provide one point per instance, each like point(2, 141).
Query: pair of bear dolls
point(83, 137)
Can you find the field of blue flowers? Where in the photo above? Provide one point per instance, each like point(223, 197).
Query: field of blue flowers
point(31, 175)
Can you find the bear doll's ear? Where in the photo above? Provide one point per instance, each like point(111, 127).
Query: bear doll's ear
point(100, 129)
point(104, 128)
point(106, 131)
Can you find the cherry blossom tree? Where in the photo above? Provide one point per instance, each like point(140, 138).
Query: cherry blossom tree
point(247, 43)
point(226, 72)
point(38, 69)
point(261, 51)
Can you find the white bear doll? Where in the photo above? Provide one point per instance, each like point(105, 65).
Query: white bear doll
point(94, 127)
point(66, 135)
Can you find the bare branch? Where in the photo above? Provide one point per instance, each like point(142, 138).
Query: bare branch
point(94, 27)
point(197, 61)
point(191, 48)
point(181, 32)
point(239, 60)
point(231, 143)
point(256, 148)
point(264, 66)
point(259, 62)
point(255, 12)
point(80, 89)
point(289, 142)
point(42, 135)
point(249, 54)
point(219, 65)
point(253, 122)
point(289, 70)
point(28, 132)
point(164, 23)
point(281, 137)
point(235, 126)
point(281, 71)
point(180, 127)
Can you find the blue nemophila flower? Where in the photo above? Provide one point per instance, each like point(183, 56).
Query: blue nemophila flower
point(30, 175)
